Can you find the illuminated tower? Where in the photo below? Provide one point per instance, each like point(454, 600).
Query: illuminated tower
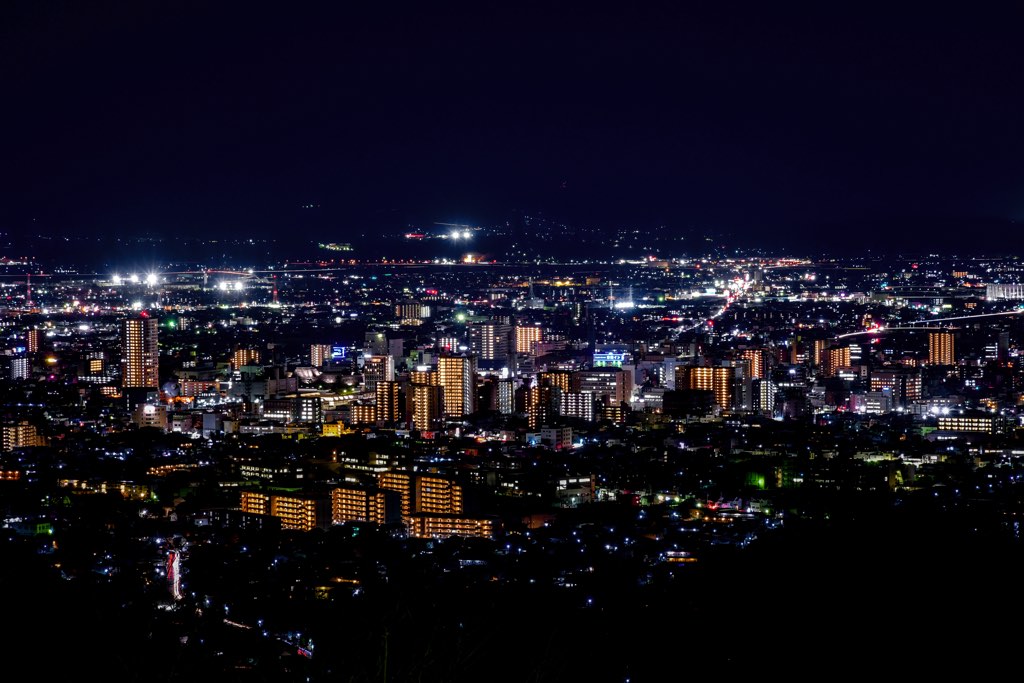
point(140, 356)
point(457, 376)
point(940, 348)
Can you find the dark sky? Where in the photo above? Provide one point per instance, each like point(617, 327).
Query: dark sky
point(777, 123)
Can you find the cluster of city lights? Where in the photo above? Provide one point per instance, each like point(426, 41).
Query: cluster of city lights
point(149, 279)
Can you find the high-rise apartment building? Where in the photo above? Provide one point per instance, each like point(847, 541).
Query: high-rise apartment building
point(389, 410)
point(720, 380)
point(140, 355)
point(526, 336)
point(377, 369)
point(319, 354)
point(489, 342)
point(457, 377)
point(940, 348)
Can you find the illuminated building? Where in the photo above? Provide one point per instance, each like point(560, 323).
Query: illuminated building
point(720, 380)
point(872, 402)
point(377, 369)
point(319, 354)
point(558, 438)
point(834, 358)
point(904, 385)
point(614, 413)
point(578, 405)
point(21, 434)
point(541, 405)
point(615, 383)
point(489, 341)
point(33, 340)
point(363, 414)
point(411, 312)
point(443, 526)
point(504, 399)
point(765, 393)
point(357, 505)
point(819, 351)
point(559, 379)
point(988, 424)
point(1004, 291)
point(526, 336)
point(20, 368)
point(309, 409)
point(757, 359)
point(438, 495)
point(150, 415)
point(140, 355)
point(296, 510)
point(388, 407)
point(424, 399)
point(400, 483)
point(448, 344)
point(457, 377)
point(241, 357)
point(941, 348)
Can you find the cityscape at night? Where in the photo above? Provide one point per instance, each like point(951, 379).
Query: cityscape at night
point(460, 345)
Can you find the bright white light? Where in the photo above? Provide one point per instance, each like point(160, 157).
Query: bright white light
point(151, 279)
point(137, 305)
point(238, 285)
point(338, 320)
point(116, 279)
point(222, 285)
point(83, 327)
point(465, 234)
point(133, 278)
point(454, 235)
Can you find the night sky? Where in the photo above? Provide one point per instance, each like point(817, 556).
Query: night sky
point(783, 125)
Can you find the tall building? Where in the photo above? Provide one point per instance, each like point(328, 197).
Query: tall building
point(940, 348)
point(489, 341)
point(758, 362)
point(34, 340)
point(457, 377)
point(377, 369)
point(542, 404)
point(560, 379)
point(140, 355)
point(21, 368)
point(615, 383)
point(721, 380)
point(526, 336)
point(319, 354)
point(388, 408)
point(423, 399)
point(835, 357)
